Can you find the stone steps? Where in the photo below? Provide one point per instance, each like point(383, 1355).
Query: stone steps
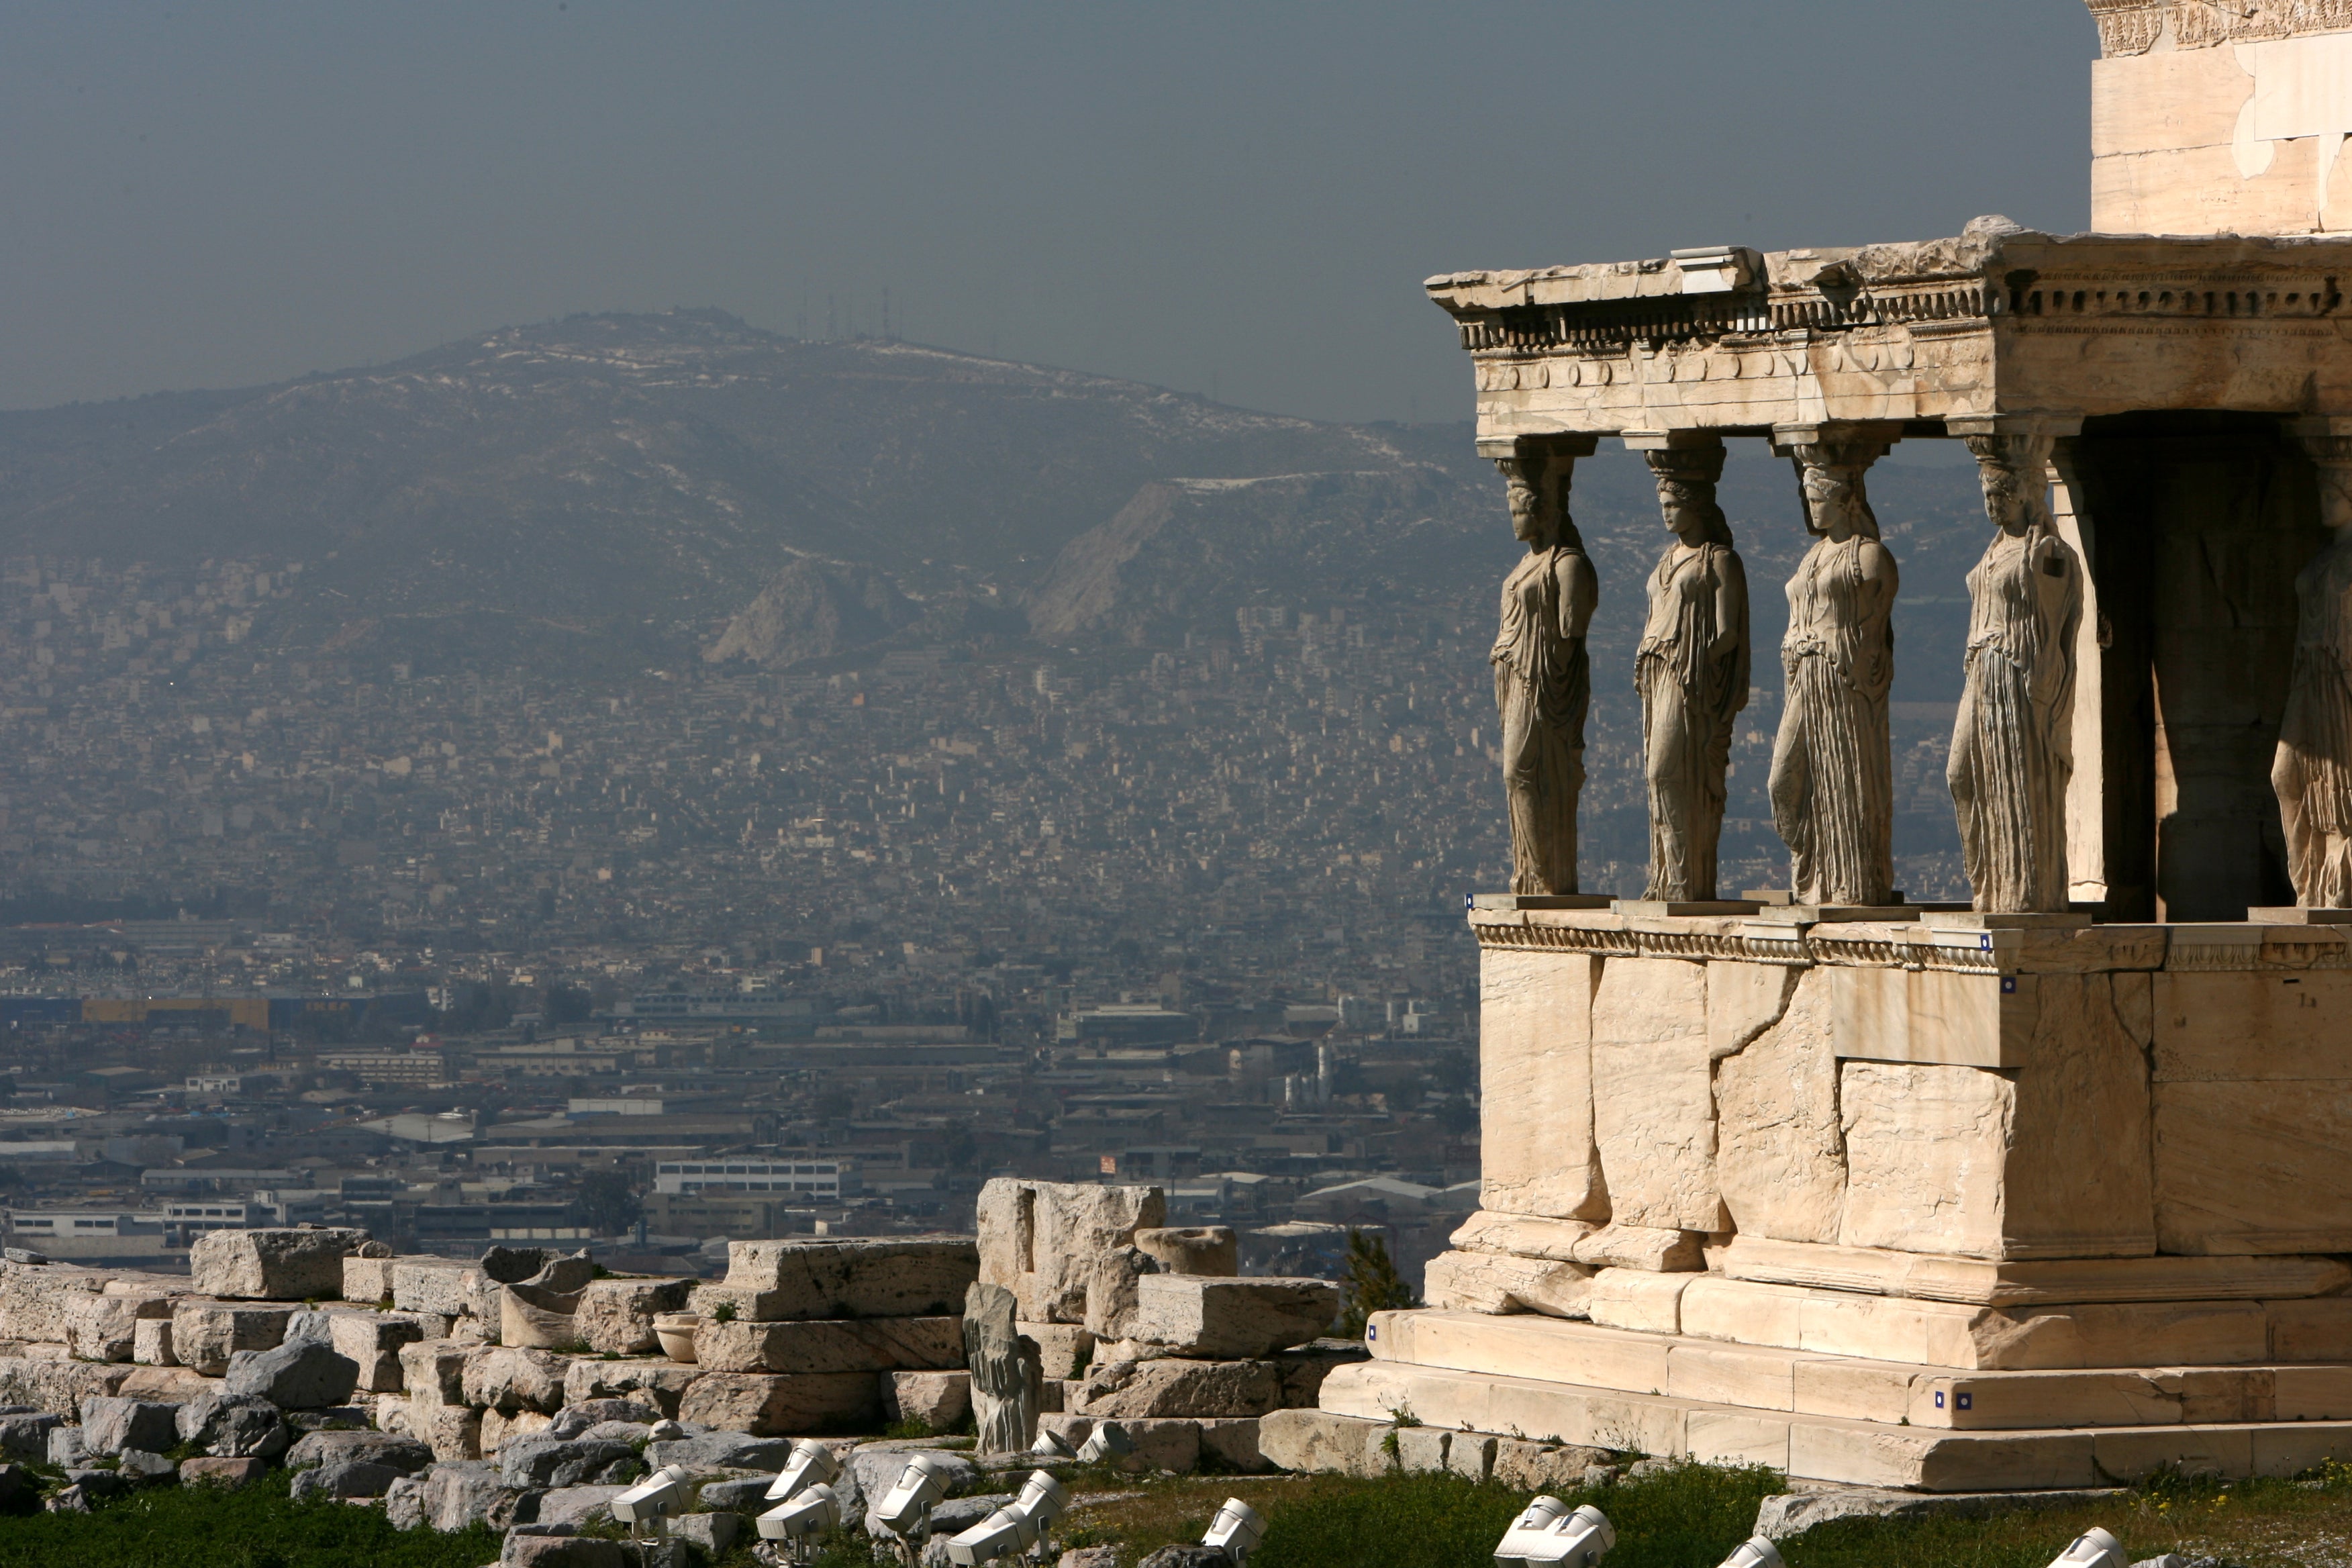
point(1816, 1384)
point(1804, 1447)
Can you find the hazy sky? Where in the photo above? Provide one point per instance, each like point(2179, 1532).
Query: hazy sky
point(1239, 199)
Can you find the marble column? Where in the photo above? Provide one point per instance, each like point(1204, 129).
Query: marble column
point(1831, 786)
point(2012, 741)
point(1691, 667)
point(1543, 683)
point(2313, 768)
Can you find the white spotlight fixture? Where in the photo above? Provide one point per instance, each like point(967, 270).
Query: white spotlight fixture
point(1109, 1442)
point(1235, 1531)
point(647, 1507)
point(1754, 1553)
point(906, 1512)
point(814, 1510)
point(2095, 1548)
point(1015, 1529)
point(812, 1464)
point(1048, 1446)
point(1549, 1535)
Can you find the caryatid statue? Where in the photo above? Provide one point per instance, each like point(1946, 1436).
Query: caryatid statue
point(1543, 683)
point(2312, 771)
point(1833, 781)
point(1692, 672)
point(2012, 742)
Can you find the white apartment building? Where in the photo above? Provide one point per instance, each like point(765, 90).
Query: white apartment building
point(820, 1181)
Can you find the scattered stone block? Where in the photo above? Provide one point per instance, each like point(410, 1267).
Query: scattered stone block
point(539, 1319)
point(1212, 1249)
point(344, 1479)
point(150, 1342)
point(876, 1467)
point(1234, 1445)
point(576, 1508)
point(1040, 1240)
point(213, 1471)
point(864, 1344)
point(103, 1325)
point(770, 1281)
point(561, 1552)
point(1111, 1292)
point(372, 1340)
point(1524, 1466)
point(405, 1455)
point(1232, 1320)
point(441, 1285)
point(939, 1400)
point(657, 1382)
point(508, 1378)
point(747, 1494)
point(301, 1375)
point(1185, 1554)
point(25, 1434)
point(1089, 1557)
point(770, 1403)
point(207, 1333)
point(547, 1462)
point(1314, 1441)
point(451, 1431)
point(498, 1427)
point(1176, 1387)
point(234, 1427)
point(435, 1370)
point(66, 1448)
point(1063, 1350)
point(1471, 1455)
point(109, 1426)
point(722, 1451)
point(456, 1495)
point(712, 1533)
point(369, 1279)
point(271, 1265)
point(616, 1317)
point(404, 1503)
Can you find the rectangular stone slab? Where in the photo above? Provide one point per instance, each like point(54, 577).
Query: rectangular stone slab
point(865, 1344)
point(2254, 1165)
point(1856, 1453)
point(2013, 1283)
point(789, 1279)
point(1535, 1067)
point(1806, 1383)
point(780, 1405)
point(1231, 1320)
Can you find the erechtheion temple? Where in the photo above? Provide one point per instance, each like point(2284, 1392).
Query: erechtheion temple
point(2034, 1192)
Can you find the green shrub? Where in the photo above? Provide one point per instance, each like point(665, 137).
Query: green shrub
point(256, 1526)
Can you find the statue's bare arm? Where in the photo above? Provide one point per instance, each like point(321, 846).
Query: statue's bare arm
point(1579, 592)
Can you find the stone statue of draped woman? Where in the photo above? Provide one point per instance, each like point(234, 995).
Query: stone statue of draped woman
point(1543, 683)
point(2012, 741)
point(1833, 784)
point(1692, 671)
point(2312, 771)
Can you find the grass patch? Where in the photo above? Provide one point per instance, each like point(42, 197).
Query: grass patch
point(258, 1526)
point(1691, 1516)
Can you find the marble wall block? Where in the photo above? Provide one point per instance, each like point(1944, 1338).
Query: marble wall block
point(1654, 1102)
point(1535, 1065)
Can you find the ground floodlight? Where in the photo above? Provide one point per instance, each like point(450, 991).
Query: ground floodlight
point(812, 1464)
point(1235, 1531)
point(1003, 1533)
point(817, 1509)
point(1577, 1539)
point(645, 1507)
point(1536, 1520)
point(1754, 1553)
point(1049, 1447)
point(907, 1509)
point(2095, 1548)
point(1110, 1441)
point(1043, 1497)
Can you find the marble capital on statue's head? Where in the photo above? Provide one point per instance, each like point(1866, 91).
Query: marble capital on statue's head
point(1536, 493)
point(1687, 479)
point(1833, 488)
point(2015, 471)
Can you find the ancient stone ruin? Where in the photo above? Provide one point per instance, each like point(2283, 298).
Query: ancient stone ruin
point(2041, 1190)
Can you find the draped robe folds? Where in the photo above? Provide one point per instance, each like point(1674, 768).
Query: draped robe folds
point(2313, 772)
point(1691, 692)
point(1543, 684)
point(2012, 746)
point(1832, 780)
